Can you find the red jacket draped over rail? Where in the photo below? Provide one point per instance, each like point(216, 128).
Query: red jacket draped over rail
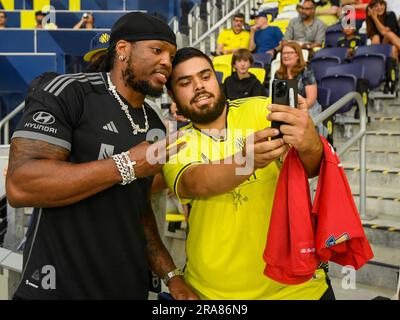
point(302, 235)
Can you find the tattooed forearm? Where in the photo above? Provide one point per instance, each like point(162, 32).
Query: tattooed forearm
point(23, 150)
point(158, 256)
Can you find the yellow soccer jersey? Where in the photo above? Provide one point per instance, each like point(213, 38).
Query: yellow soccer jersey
point(232, 41)
point(227, 233)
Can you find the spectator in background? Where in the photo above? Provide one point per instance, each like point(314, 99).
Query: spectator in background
point(293, 66)
point(242, 84)
point(264, 38)
point(327, 11)
point(3, 19)
point(39, 15)
point(360, 6)
point(87, 22)
point(382, 26)
point(307, 30)
point(351, 40)
point(235, 38)
point(98, 48)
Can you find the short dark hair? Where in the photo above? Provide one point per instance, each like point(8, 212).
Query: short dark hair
point(242, 54)
point(238, 15)
point(5, 14)
point(312, 1)
point(185, 54)
point(39, 13)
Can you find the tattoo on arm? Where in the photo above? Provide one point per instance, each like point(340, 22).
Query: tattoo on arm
point(159, 258)
point(23, 150)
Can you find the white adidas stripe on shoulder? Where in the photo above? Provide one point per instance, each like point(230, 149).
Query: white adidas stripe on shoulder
point(61, 80)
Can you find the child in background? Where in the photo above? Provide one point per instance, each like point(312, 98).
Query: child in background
point(351, 40)
point(242, 84)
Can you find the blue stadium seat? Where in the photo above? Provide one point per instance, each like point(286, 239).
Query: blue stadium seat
point(320, 64)
point(356, 69)
point(332, 37)
point(379, 65)
point(375, 68)
point(385, 49)
point(339, 86)
point(335, 27)
point(332, 52)
point(323, 97)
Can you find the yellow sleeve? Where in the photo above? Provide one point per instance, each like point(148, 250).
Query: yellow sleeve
point(178, 164)
point(221, 37)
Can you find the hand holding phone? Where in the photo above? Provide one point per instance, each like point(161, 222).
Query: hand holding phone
point(284, 92)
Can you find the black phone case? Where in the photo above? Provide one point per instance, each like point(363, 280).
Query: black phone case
point(280, 96)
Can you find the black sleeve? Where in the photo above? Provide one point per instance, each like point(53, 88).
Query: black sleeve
point(391, 22)
point(51, 118)
point(259, 90)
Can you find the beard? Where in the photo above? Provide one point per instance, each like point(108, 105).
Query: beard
point(142, 86)
point(211, 113)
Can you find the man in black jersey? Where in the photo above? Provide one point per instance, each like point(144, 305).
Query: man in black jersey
point(81, 158)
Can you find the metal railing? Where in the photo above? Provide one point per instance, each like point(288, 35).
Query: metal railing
point(360, 135)
point(5, 123)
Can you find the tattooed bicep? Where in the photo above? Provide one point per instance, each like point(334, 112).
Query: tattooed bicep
point(23, 150)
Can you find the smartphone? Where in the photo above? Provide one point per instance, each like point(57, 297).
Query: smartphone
point(283, 92)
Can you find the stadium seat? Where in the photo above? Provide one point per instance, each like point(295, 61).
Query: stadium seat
point(375, 68)
point(220, 76)
point(319, 65)
point(223, 64)
point(259, 73)
point(335, 28)
point(323, 97)
point(332, 52)
point(356, 69)
point(287, 15)
point(332, 37)
point(385, 49)
point(340, 85)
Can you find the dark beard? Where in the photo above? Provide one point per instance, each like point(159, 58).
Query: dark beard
point(208, 116)
point(142, 86)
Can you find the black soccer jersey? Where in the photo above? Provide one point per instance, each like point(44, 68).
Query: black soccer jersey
point(95, 248)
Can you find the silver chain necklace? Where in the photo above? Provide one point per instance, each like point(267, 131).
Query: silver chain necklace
point(125, 109)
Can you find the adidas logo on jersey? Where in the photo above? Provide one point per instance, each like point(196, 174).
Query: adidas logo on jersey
point(111, 127)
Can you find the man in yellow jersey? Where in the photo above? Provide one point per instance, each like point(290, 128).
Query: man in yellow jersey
point(230, 204)
point(235, 38)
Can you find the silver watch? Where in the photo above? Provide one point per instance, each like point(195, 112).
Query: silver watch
point(171, 274)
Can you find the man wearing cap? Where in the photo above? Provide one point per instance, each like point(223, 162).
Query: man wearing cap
point(81, 157)
point(264, 38)
point(98, 48)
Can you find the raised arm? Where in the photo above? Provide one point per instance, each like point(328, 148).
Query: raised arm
point(200, 180)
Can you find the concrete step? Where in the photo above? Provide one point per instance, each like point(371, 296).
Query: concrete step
point(384, 139)
point(380, 201)
point(378, 122)
point(375, 156)
point(377, 176)
point(382, 271)
point(383, 231)
point(360, 292)
point(386, 108)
